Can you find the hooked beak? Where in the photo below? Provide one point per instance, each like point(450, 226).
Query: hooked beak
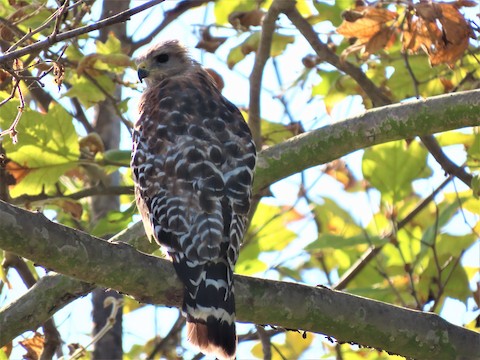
point(142, 72)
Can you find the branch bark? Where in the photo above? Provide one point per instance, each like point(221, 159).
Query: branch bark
point(380, 125)
point(153, 280)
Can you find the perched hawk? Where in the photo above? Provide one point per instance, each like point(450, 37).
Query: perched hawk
point(193, 161)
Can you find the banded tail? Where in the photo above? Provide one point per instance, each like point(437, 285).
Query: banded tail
point(209, 305)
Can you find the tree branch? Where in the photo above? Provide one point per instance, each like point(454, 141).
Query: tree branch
point(261, 57)
point(169, 17)
point(153, 280)
point(378, 97)
point(43, 44)
point(380, 125)
point(91, 191)
point(448, 165)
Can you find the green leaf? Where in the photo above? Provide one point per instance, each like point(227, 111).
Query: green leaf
point(111, 46)
point(454, 245)
point(476, 188)
point(268, 228)
point(47, 148)
point(3, 356)
point(328, 80)
point(473, 153)
point(113, 222)
point(339, 242)
point(223, 9)
point(331, 11)
point(392, 167)
point(249, 266)
point(454, 138)
point(454, 279)
point(274, 133)
point(335, 220)
point(401, 83)
point(114, 157)
point(89, 93)
point(251, 43)
point(446, 211)
point(293, 347)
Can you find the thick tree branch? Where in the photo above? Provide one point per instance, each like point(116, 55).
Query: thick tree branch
point(49, 41)
point(40, 303)
point(153, 280)
point(389, 123)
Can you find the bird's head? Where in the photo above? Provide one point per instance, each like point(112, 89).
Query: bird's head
point(163, 60)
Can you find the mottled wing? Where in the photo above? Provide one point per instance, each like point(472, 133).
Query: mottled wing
point(193, 166)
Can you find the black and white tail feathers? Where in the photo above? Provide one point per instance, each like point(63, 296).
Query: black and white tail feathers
point(209, 305)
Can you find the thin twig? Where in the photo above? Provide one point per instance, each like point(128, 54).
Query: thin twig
point(45, 25)
point(265, 341)
point(40, 45)
point(176, 328)
point(12, 130)
point(378, 97)
point(168, 18)
point(448, 165)
point(373, 251)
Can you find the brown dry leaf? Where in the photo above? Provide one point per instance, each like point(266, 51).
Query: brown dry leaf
point(17, 171)
point(381, 40)
point(455, 27)
point(418, 34)
point(339, 171)
point(6, 33)
point(34, 346)
point(92, 143)
point(369, 25)
point(58, 73)
point(70, 206)
point(3, 75)
point(428, 11)
point(242, 20)
point(447, 84)
point(443, 45)
point(208, 42)
point(448, 55)
point(87, 62)
point(310, 61)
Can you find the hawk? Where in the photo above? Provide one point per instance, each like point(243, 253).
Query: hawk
point(193, 161)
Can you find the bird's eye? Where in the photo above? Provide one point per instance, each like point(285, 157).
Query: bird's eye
point(162, 58)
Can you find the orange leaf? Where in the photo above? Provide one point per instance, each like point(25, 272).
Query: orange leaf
point(449, 54)
point(17, 171)
point(242, 20)
point(447, 84)
point(340, 172)
point(367, 22)
point(34, 347)
point(379, 41)
point(7, 349)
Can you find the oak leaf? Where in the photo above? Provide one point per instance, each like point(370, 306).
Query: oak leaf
point(370, 26)
point(34, 346)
